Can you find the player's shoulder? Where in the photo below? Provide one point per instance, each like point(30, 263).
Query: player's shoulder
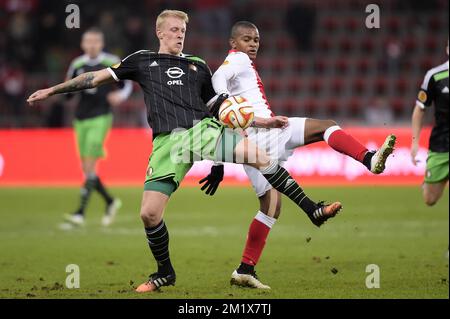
point(431, 73)
point(139, 54)
point(79, 61)
point(194, 58)
point(237, 57)
point(108, 59)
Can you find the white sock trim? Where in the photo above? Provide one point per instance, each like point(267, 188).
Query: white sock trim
point(330, 131)
point(271, 169)
point(266, 220)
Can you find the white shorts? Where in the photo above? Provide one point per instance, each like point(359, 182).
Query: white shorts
point(279, 145)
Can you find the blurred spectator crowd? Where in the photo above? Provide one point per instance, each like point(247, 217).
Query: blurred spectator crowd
point(317, 58)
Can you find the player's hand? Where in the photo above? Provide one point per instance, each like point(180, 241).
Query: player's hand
point(277, 122)
point(39, 95)
point(212, 180)
point(414, 150)
point(114, 98)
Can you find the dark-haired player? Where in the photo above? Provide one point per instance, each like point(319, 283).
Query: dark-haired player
point(238, 76)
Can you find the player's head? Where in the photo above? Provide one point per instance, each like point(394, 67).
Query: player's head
point(171, 30)
point(92, 42)
point(447, 47)
point(244, 37)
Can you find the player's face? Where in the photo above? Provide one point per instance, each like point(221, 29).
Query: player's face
point(171, 36)
point(92, 44)
point(247, 41)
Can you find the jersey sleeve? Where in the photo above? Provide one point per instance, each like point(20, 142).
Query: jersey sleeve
point(208, 94)
point(127, 69)
point(230, 68)
point(425, 96)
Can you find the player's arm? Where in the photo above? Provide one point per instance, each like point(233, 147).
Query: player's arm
point(417, 123)
point(424, 100)
point(221, 80)
point(271, 122)
point(83, 81)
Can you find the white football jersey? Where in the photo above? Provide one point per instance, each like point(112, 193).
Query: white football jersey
point(238, 76)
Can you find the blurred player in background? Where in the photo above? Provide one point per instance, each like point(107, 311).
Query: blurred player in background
point(238, 76)
point(93, 120)
point(180, 99)
point(434, 90)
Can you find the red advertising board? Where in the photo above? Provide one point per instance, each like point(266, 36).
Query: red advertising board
point(49, 157)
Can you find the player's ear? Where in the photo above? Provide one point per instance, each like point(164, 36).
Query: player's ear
point(232, 43)
point(159, 34)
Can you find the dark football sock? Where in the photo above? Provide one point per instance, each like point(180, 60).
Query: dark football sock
point(86, 194)
point(245, 268)
point(99, 187)
point(158, 241)
point(283, 182)
point(367, 159)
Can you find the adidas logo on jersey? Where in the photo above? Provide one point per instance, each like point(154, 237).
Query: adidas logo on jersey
point(154, 63)
point(445, 90)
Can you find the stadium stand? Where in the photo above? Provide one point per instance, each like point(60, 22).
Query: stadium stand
point(347, 66)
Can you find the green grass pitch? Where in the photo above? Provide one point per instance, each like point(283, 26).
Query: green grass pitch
point(386, 226)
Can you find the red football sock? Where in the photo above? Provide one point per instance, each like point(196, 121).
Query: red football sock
point(256, 239)
point(344, 143)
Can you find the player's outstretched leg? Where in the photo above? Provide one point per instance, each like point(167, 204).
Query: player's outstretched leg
point(248, 153)
point(339, 140)
point(153, 204)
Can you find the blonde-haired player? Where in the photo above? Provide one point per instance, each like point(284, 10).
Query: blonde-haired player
point(180, 98)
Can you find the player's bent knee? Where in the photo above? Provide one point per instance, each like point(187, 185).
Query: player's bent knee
point(151, 215)
point(430, 200)
point(152, 207)
point(329, 123)
point(433, 192)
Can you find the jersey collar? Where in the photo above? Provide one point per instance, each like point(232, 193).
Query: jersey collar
point(96, 60)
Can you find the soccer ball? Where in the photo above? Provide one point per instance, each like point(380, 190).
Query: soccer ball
point(236, 112)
